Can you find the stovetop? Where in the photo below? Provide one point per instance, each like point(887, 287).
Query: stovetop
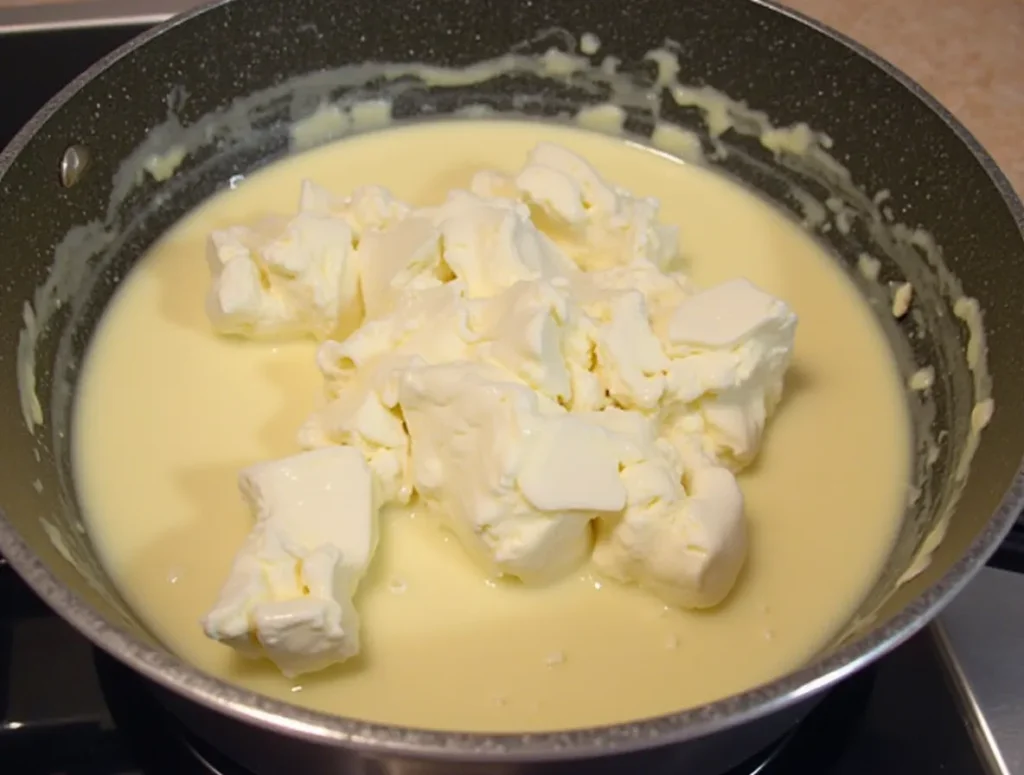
point(931, 706)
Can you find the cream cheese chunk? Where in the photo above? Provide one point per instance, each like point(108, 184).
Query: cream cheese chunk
point(288, 596)
point(730, 347)
point(527, 359)
point(684, 544)
point(598, 224)
point(481, 453)
point(681, 534)
point(282, 278)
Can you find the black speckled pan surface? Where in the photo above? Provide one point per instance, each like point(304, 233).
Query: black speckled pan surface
point(887, 132)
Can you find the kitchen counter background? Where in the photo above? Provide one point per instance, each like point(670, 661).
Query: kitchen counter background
point(968, 53)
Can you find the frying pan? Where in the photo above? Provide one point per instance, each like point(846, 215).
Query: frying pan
point(167, 120)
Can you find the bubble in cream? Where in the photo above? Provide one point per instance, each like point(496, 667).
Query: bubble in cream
point(397, 586)
point(555, 658)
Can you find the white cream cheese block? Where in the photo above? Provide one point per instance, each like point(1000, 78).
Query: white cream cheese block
point(288, 596)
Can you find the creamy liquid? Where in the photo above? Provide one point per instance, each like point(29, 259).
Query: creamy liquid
point(168, 413)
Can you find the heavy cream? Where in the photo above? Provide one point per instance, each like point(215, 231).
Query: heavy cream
point(529, 362)
point(427, 613)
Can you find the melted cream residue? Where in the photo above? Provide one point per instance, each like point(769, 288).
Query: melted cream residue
point(869, 266)
point(922, 379)
point(901, 297)
point(589, 43)
point(445, 648)
point(332, 121)
point(161, 166)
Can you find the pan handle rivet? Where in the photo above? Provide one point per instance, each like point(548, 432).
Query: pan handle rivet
point(73, 164)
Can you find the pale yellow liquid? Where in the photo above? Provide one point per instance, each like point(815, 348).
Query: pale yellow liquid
point(168, 414)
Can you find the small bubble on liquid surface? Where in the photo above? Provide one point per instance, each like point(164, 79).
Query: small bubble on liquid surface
point(397, 586)
point(555, 658)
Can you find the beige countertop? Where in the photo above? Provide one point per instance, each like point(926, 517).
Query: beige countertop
point(968, 53)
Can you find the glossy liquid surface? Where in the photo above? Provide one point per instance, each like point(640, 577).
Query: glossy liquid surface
point(168, 413)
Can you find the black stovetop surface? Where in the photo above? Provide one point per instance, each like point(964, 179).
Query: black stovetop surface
point(68, 709)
